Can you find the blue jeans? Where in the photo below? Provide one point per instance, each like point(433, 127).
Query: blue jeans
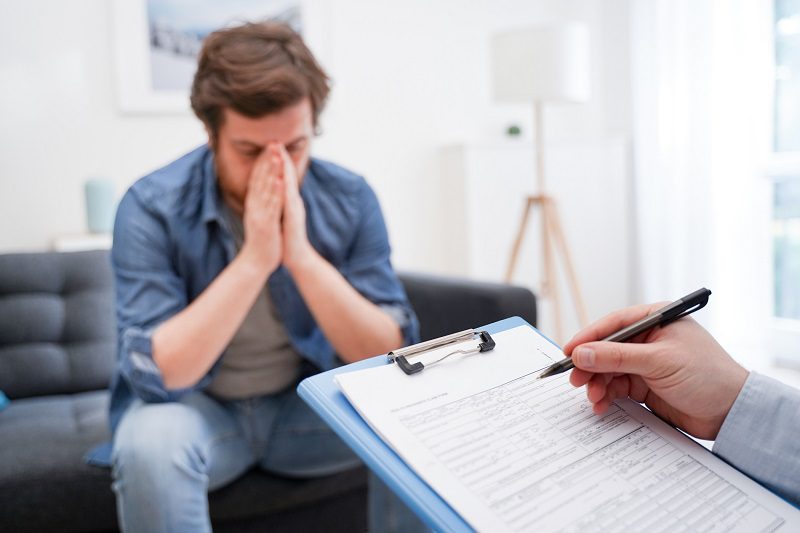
point(168, 456)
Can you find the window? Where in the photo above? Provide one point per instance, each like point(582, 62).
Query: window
point(787, 76)
point(786, 234)
point(784, 335)
point(786, 147)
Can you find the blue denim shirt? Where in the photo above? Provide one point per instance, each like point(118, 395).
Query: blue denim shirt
point(171, 240)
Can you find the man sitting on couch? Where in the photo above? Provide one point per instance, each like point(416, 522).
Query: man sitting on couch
point(240, 268)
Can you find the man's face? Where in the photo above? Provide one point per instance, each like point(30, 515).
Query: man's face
point(241, 139)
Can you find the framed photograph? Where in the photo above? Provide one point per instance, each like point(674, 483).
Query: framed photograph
point(157, 42)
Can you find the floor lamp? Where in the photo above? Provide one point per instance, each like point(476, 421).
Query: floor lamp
point(541, 65)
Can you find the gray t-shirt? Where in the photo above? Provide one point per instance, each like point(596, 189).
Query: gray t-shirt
point(260, 359)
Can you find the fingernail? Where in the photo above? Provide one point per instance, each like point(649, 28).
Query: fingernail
point(584, 357)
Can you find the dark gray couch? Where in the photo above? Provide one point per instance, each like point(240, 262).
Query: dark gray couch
point(57, 350)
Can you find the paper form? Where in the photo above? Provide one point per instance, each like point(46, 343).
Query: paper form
point(512, 453)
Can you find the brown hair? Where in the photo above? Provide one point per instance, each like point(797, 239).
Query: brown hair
point(255, 69)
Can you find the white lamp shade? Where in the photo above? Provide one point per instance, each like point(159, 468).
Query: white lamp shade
point(547, 63)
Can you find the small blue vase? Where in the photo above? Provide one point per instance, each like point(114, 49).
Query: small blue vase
point(99, 205)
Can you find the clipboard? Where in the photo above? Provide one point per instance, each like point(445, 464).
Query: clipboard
point(323, 395)
point(685, 458)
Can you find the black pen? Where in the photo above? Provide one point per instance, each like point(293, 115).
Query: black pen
point(677, 309)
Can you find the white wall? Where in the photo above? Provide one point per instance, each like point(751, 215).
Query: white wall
point(415, 78)
point(409, 78)
point(60, 123)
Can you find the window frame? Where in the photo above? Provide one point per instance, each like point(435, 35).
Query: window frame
point(783, 334)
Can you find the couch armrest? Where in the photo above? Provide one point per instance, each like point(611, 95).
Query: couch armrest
point(445, 305)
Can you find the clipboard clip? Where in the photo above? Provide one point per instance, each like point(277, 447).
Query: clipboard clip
point(485, 344)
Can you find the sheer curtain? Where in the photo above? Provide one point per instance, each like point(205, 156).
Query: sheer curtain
point(701, 106)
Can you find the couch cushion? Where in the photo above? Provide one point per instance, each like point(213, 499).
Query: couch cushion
point(44, 482)
point(46, 486)
point(57, 329)
point(445, 305)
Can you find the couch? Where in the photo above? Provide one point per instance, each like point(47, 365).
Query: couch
point(57, 351)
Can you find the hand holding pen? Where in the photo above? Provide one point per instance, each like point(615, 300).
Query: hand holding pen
point(663, 316)
point(680, 372)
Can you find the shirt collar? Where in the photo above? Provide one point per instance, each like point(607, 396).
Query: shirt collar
point(212, 208)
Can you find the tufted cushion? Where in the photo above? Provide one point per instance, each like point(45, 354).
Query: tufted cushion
point(57, 329)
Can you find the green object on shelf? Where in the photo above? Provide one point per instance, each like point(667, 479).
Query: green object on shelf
point(513, 131)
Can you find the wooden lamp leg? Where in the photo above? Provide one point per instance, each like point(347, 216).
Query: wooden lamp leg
point(572, 279)
point(552, 238)
point(553, 241)
point(512, 264)
point(550, 281)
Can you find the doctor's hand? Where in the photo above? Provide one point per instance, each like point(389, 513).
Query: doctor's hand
point(263, 206)
point(679, 371)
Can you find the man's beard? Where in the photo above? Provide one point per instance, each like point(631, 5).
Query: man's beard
point(232, 198)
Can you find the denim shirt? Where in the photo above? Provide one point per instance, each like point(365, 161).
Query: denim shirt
point(171, 240)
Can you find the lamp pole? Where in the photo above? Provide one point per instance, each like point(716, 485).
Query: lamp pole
point(544, 64)
point(552, 237)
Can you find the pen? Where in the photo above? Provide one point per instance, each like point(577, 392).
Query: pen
point(677, 309)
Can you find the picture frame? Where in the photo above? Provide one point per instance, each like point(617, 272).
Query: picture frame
point(156, 43)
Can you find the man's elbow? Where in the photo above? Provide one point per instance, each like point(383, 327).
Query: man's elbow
point(390, 340)
point(172, 377)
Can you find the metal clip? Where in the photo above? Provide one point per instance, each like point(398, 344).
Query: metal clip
point(401, 356)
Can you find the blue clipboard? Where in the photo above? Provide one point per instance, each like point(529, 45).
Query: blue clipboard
point(322, 394)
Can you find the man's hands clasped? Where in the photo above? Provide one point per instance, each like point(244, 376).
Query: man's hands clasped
point(274, 215)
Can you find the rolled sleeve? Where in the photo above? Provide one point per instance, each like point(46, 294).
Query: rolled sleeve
point(369, 269)
point(142, 373)
point(760, 435)
point(148, 292)
point(406, 320)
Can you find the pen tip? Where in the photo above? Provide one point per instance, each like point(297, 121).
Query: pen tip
point(545, 373)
